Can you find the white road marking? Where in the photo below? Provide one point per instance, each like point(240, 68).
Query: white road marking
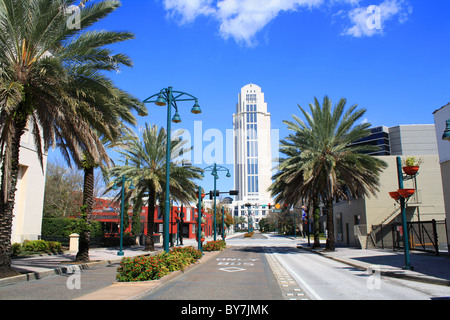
point(299, 279)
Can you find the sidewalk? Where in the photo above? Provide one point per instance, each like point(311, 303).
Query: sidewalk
point(427, 267)
point(41, 266)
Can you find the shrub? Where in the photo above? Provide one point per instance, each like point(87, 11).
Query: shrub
point(155, 267)
point(16, 247)
point(214, 245)
point(63, 227)
point(37, 246)
point(248, 234)
point(54, 246)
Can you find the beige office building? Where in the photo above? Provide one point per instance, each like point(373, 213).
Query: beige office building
point(358, 221)
point(441, 116)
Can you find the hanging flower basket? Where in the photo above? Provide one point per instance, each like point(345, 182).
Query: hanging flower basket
point(394, 195)
point(410, 170)
point(202, 237)
point(406, 193)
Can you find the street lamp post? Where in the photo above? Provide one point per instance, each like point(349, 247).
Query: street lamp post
point(199, 220)
point(403, 213)
point(123, 179)
point(169, 97)
point(214, 172)
point(223, 223)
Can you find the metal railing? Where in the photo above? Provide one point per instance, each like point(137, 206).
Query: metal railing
point(430, 236)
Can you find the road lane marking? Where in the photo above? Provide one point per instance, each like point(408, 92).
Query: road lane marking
point(290, 289)
point(298, 278)
point(232, 269)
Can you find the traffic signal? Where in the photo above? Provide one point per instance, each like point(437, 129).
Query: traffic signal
point(211, 194)
point(234, 192)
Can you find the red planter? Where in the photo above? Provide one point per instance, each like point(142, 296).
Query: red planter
point(411, 170)
point(406, 193)
point(394, 195)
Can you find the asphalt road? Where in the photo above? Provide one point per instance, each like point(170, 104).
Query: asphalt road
point(245, 271)
point(326, 279)
point(239, 273)
point(259, 268)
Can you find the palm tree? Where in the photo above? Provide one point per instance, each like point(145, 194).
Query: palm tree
point(321, 159)
point(44, 66)
point(146, 166)
point(121, 132)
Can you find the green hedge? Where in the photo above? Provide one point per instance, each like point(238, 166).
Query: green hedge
point(36, 246)
point(64, 227)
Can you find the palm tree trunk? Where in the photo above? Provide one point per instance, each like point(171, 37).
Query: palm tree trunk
point(149, 241)
point(86, 214)
point(330, 246)
point(316, 216)
point(7, 198)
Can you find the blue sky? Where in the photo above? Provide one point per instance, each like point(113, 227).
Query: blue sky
point(393, 60)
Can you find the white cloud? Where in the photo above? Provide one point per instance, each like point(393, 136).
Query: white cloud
point(188, 10)
point(243, 19)
point(239, 19)
point(368, 21)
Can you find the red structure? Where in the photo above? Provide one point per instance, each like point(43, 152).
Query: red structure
point(108, 213)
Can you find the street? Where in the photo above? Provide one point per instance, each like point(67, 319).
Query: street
point(326, 279)
point(263, 268)
point(271, 267)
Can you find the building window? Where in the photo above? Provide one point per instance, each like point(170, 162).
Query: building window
point(250, 97)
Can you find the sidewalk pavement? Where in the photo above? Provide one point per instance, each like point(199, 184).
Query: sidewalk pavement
point(43, 266)
point(39, 266)
point(426, 267)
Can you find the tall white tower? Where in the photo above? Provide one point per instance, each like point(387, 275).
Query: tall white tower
point(252, 156)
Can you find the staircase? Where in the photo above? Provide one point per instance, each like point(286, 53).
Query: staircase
point(361, 235)
point(370, 238)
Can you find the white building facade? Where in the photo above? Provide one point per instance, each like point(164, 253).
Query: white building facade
point(252, 154)
point(29, 198)
point(441, 116)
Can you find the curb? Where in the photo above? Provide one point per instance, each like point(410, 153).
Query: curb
point(392, 274)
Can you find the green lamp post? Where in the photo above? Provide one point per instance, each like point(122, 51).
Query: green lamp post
point(199, 220)
point(170, 97)
point(223, 223)
point(403, 213)
point(123, 179)
point(215, 172)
